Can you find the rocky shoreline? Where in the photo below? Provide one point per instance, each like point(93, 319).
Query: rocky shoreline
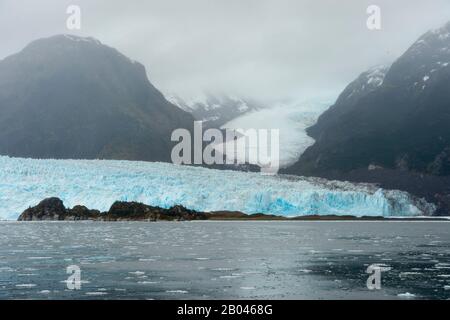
point(53, 209)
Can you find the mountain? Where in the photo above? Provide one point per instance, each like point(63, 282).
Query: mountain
point(215, 110)
point(391, 123)
point(347, 101)
point(73, 97)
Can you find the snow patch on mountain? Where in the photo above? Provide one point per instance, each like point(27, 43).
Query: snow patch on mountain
point(368, 81)
point(214, 110)
point(82, 39)
point(430, 56)
point(376, 76)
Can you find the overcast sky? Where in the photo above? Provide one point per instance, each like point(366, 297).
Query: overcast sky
point(271, 49)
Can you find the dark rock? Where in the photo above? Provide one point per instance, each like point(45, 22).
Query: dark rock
point(181, 213)
point(53, 209)
point(82, 213)
point(132, 211)
point(443, 202)
point(121, 208)
point(47, 209)
point(139, 211)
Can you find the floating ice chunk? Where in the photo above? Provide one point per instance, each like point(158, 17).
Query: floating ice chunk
point(96, 293)
point(26, 285)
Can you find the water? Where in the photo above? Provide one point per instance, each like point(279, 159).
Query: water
point(220, 260)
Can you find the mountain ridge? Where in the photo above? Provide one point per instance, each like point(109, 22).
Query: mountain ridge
point(73, 97)
point(215, 109)
point(399, 129)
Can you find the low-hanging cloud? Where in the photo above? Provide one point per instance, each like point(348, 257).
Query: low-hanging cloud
point(264, 49)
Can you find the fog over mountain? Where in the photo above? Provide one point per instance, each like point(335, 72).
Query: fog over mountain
point(267, 49)
point(391, 125)
point(394, 118)
point(73, 97)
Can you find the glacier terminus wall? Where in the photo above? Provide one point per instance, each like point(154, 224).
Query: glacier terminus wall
point(98, 183)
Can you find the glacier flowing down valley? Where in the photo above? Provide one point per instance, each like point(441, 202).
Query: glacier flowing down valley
point(291, 119)
point(98, 183)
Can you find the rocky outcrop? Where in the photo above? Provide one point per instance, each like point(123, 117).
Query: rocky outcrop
point(81, 213)
point(48, 209)
point(53, 209)
point(120, 211)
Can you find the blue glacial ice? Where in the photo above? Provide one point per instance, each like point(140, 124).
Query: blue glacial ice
point(98, 183)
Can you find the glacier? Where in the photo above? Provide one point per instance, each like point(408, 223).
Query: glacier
point(98, 183)
point(291, 119)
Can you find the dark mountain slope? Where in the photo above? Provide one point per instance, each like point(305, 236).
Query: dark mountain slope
point(404, 123)
point(393, 130)
point(348, 100)
point(72, 97)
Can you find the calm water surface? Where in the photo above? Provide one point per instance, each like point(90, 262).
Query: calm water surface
point(221, 260)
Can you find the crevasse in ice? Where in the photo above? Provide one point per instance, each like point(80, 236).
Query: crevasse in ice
point(98, 183)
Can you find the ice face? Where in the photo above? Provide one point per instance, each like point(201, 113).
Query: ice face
point(98, 183)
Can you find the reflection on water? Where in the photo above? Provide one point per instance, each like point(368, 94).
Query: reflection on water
point(220, 260)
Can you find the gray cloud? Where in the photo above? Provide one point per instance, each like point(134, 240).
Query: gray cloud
point(269, 49)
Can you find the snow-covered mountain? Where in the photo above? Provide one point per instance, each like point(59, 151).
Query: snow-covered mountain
point(397, 133)
point(424, 65)
point(401, 120)
point(215, 110)
point(366, 83)
point(98, 183)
